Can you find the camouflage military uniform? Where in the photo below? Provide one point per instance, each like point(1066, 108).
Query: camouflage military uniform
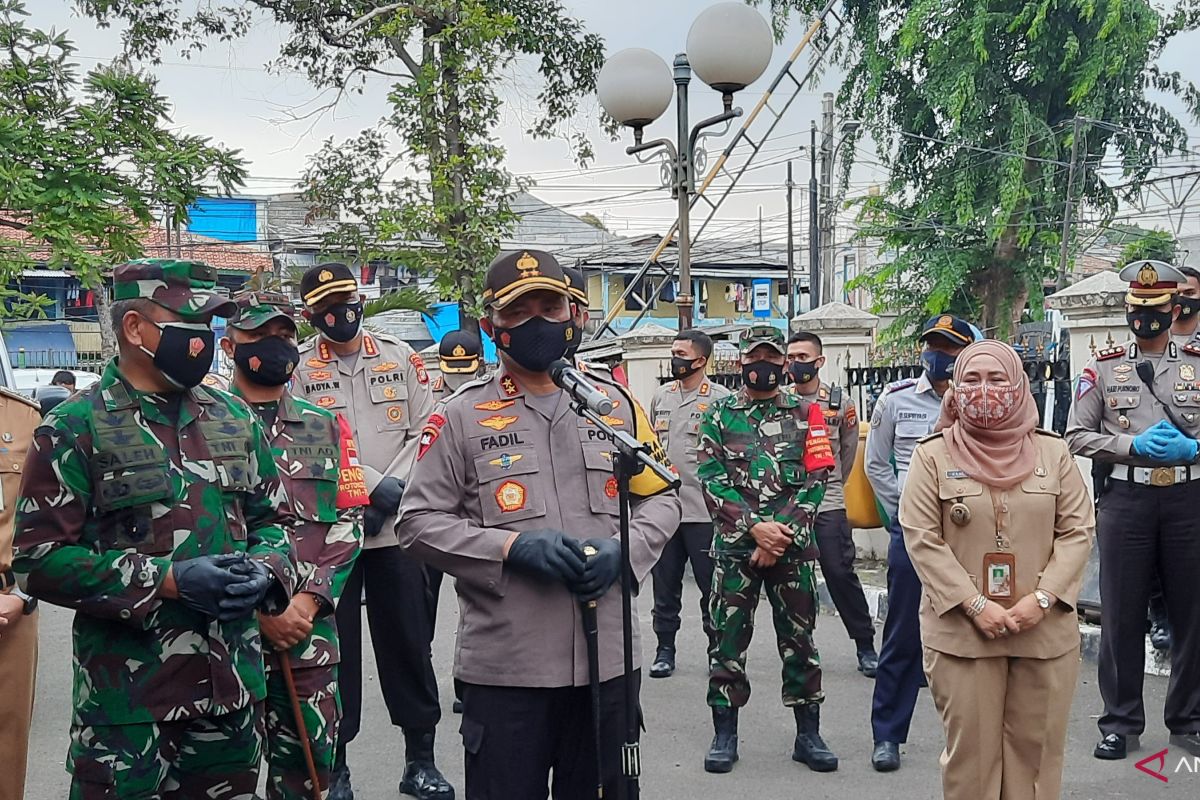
point(307, 446)
point(119, 484)
point(751, 466)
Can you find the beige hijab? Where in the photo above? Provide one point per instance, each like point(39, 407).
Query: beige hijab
point(999, 457)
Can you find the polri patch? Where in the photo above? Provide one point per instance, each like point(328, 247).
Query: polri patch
point(510, 496)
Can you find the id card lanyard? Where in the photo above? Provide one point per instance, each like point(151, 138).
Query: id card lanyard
point(1000, 565)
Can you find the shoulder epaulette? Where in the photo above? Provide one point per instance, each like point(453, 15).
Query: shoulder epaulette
point(307, 344)
point(904, 384)
point(1192, 348)
point(930, 437)
point(1044, 432)
point(11, 395)
point(386, 337)
point(1110, 352)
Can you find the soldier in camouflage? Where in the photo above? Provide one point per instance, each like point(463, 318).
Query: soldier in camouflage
point(764, 456)
point(317, 463)
point(152, 506)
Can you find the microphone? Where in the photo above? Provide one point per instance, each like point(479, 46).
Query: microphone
point(574, 383)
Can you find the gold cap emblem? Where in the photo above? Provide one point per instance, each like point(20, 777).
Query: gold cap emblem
point(325, 275)
point(459, 350)
point(527, 265)
point(945, 321)
point(1147, 275)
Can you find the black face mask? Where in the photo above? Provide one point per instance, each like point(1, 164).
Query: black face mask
point(267, 362)
point(938, 366)
point(575, 340)
point(684, 367)
point(803, 371)
point(340, 323)
point(536, 343)
point(1147, 323)
point(762, 376)
point(1188, 306)
point(185, 352)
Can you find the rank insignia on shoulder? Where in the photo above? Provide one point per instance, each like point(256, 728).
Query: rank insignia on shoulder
point(509, 386)
point(497, 422)
point(1110, 352)
point(1192, 348)
point(369, 346)
point(386, 366)
point(510, 496)
point(705, 389)
point(419, 366)
point(494, 405)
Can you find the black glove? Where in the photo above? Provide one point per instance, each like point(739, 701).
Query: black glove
point(601, 570)
point(547, 554)
point(203, 581)
point(241, 599)
point(385, 502)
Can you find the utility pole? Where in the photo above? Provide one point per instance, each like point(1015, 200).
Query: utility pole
point(1068, 209)
point(791, 262)
point(814, 235)
point(683, 190)
point(826, 209)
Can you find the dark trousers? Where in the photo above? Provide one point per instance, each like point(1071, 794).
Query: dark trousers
point(528, 744)
point(836, 543)
point(401, 631)
point(899, 678)
point(691, 542)
point(1143, 529)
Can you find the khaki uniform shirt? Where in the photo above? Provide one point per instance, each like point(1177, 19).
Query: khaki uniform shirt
point(490, 464)
point(1112, 405)
point(1049, 529)
point(842, 423)
point(676, 414)
point(19, 417)
point(383, 393)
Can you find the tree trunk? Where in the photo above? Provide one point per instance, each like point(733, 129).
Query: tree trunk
point(465, 270)
point(108, 338)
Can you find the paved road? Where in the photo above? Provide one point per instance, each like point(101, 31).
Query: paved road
point(679, 730)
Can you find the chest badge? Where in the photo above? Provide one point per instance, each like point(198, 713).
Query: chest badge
point(510, 496)
point(395, 413)
point(389, 392)
point(610, 487)
point(497, 422)
point(960, 514)
point(1123, 421)
point(494, 405)
point(326, 401)
point(1040, 472)
point(1187, 372)
point(506, 461)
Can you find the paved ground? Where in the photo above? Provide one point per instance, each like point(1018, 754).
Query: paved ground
point(679, 730)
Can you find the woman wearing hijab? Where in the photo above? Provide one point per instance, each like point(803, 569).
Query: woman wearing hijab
point(999, 525)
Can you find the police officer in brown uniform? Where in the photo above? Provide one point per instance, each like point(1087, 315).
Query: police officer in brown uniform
point(18, 611)
point(1137, 407)
point(509, 486)
point(380, 386)
point(832, 529)
point(676, 410)
point(460, 358)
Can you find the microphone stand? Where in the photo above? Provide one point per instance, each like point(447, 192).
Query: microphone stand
point(629, 458)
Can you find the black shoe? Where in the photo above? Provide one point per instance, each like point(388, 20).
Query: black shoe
point(1114, 746)
point(422, 779)
point(1188, 741)
point(886, 757)
point(1160, 635)
point(723, 752)
point(339, 781)
point(664, 662)
point(868, 662)
point(457, 707)
point(810, 748)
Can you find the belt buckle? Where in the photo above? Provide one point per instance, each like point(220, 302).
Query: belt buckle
point(1162, 476)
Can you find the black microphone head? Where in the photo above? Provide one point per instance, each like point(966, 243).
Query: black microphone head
point(557, 367)
point(1145, 371)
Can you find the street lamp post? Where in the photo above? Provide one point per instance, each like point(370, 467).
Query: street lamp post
point(729, 46)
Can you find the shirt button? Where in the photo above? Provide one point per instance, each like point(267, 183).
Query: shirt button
point(491, 584)
point(143, 576)
point(125, 613)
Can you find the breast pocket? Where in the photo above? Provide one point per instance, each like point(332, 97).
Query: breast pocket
point(389, 403)
point(509, 490)
point(602, 484)
point(962, 502)
point(909, 432)
point(791, 464)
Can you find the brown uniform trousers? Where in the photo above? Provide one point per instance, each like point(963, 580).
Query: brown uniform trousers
point(18, 641)
point(1004, 702)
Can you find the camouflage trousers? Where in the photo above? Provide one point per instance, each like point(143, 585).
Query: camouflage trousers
point(215, 758)
point(791, 590)
point(287, 772)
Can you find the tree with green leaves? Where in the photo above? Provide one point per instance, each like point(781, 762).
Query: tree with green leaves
point(88, 162)
point(1151, 245)
point(426, 186)
point(975, 107)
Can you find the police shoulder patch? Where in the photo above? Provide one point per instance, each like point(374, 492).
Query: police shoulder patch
point(904, 384)
point(1110, 352)
point(930, 437)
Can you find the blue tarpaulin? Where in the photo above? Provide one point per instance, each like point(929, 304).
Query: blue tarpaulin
point(443, 318)
point(226, 219)
point(40, 344)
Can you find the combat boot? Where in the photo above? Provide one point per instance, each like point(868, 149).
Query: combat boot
point(422, 779)
point(723, 752)
point(339, 778)
point(810, 747)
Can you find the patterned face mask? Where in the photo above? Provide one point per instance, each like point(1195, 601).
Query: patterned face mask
point(988, 406)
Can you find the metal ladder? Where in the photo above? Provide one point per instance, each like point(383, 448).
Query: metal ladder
point(647, 282)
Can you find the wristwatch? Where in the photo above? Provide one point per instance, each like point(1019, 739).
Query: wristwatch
point(1043, 599)
point(31, 603)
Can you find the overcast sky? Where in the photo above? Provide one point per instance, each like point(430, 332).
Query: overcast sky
point(226, 93)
